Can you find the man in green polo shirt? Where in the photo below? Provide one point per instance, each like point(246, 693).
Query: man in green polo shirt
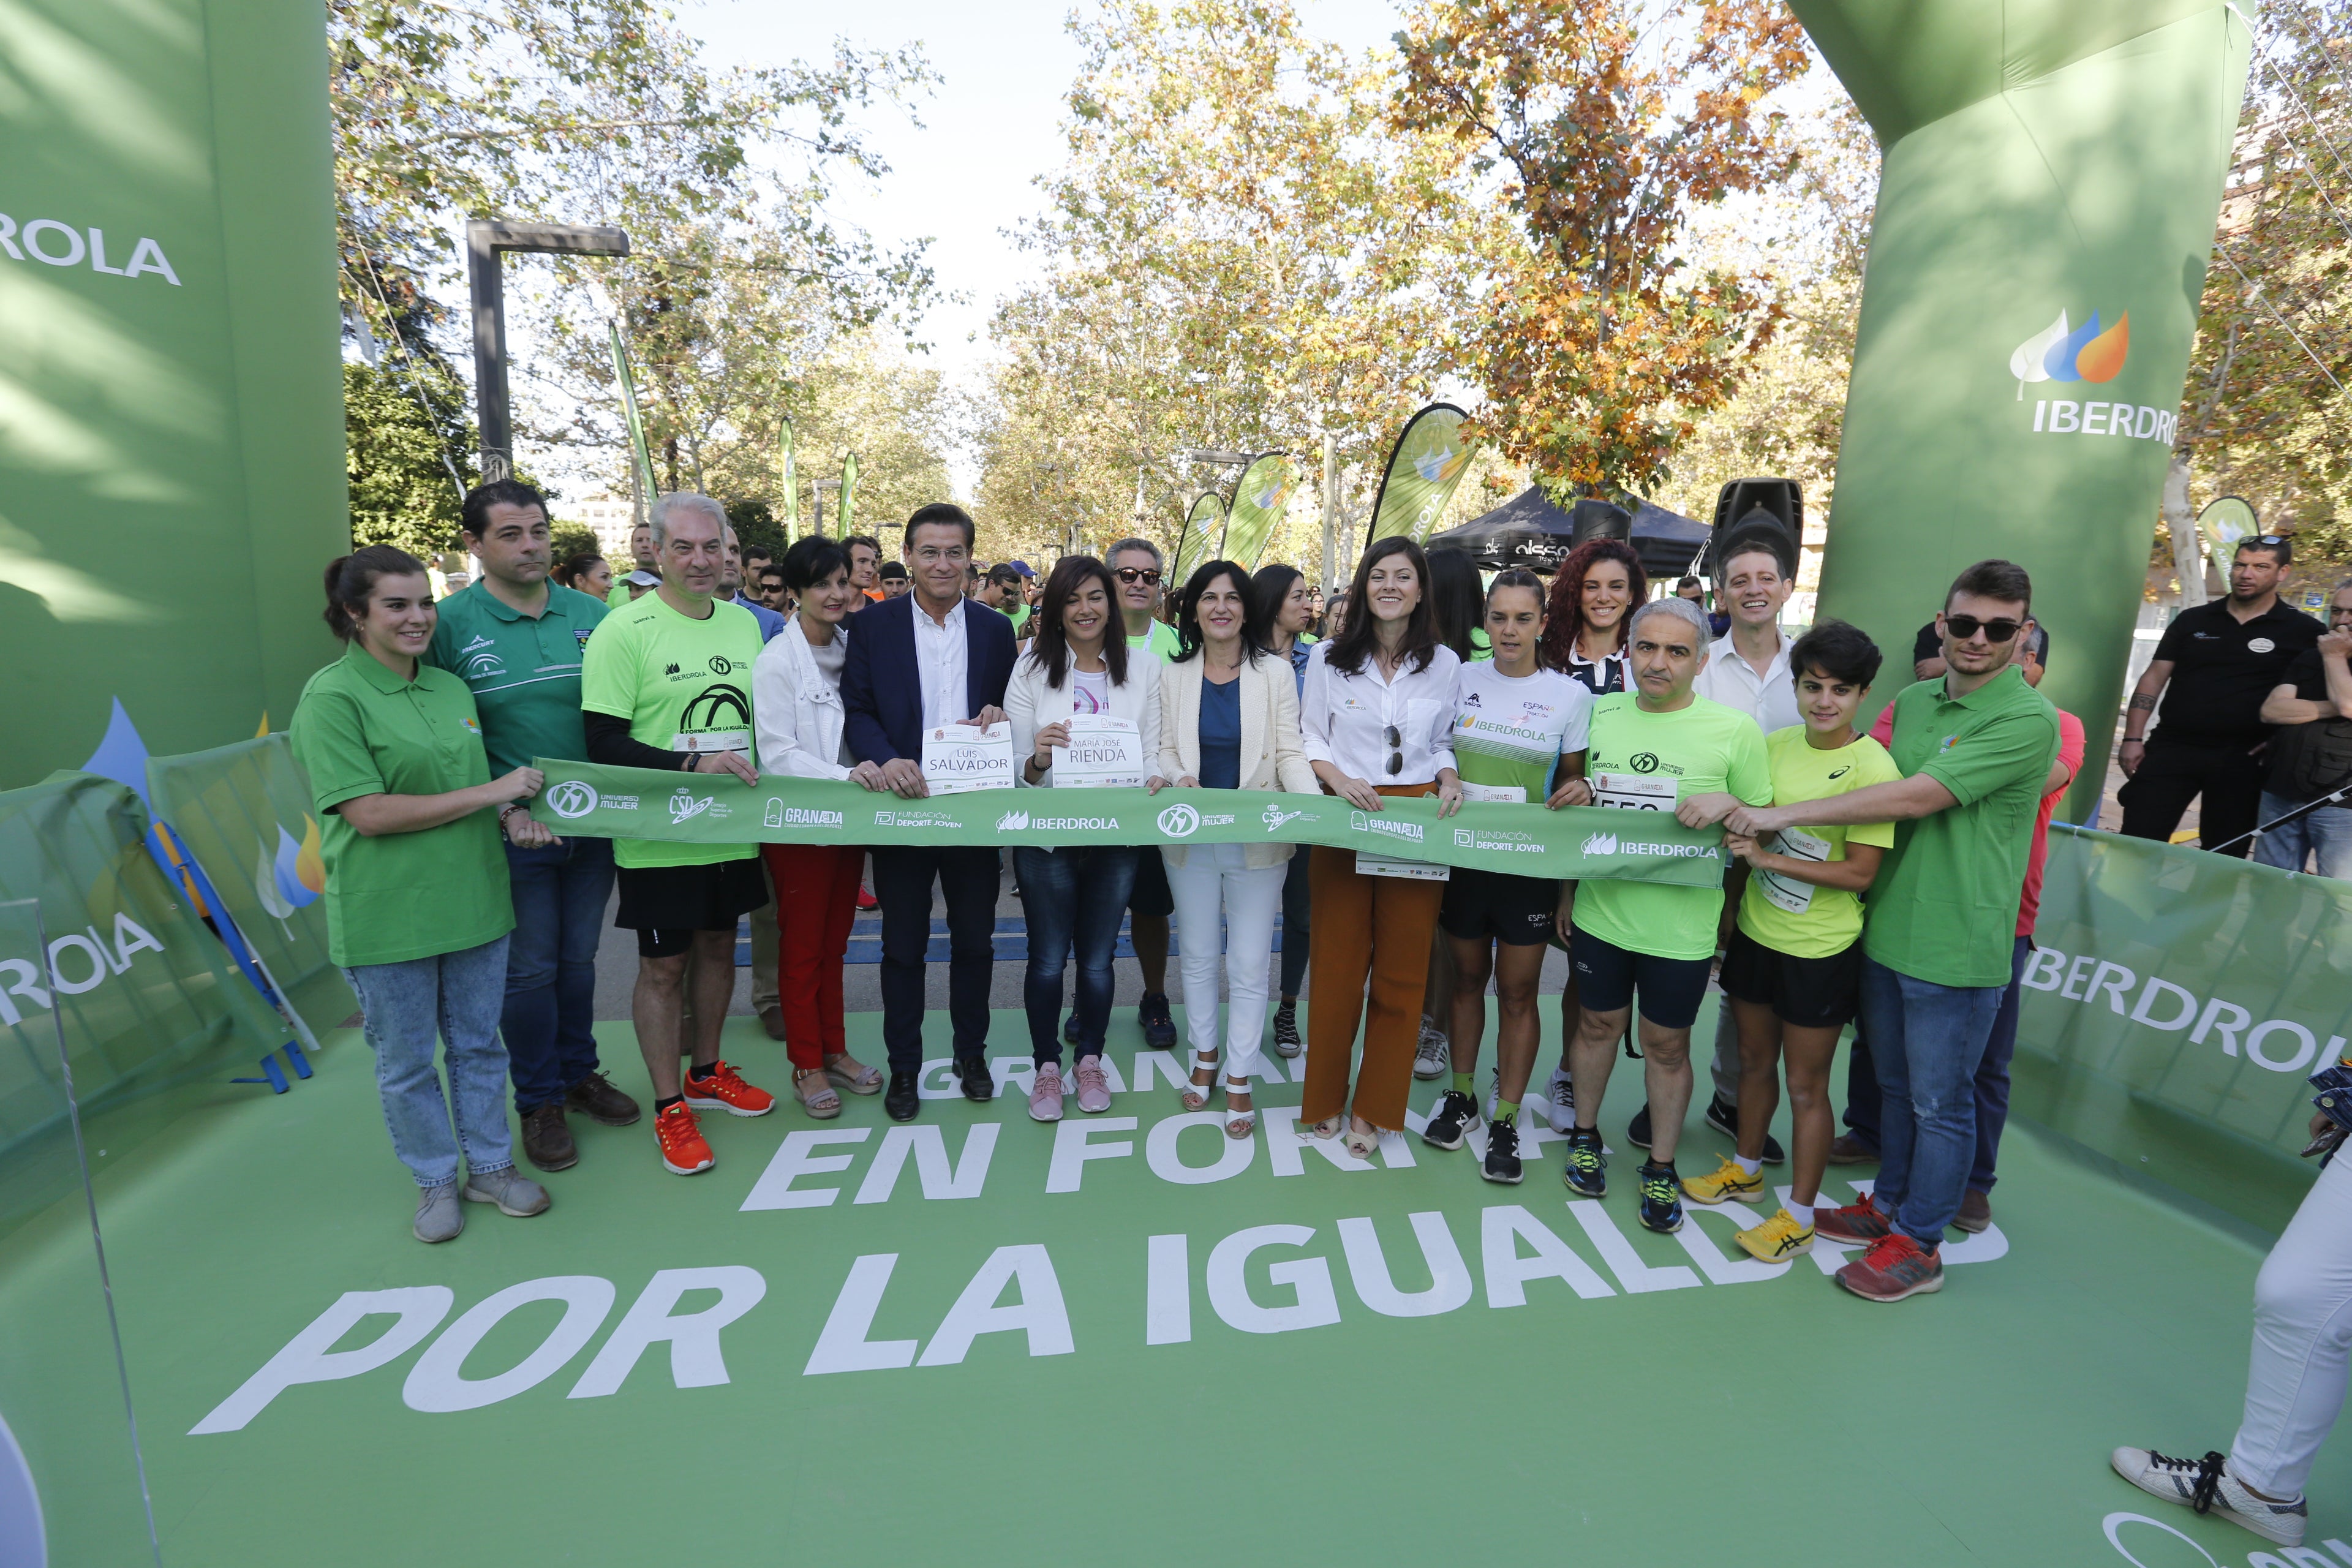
point(1976, 746)
point(666, 683)
point(515, 641)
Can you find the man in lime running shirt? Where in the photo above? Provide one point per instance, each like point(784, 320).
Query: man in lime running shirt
point(1136, 564)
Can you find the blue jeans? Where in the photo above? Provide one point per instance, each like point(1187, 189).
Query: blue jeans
point(1927, 1041)
point(1073, 900)
point(560, 893)
point(2326, 832)
point(403, 1006)
point(1992, 1073)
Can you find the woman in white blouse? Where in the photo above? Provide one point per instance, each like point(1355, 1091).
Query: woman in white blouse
point(1228, 719)
point(1079, 666)
point(797, 719)
point(1377, 713)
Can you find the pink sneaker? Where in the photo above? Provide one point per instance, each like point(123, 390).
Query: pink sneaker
point(1045, 1093)
point(1094, 1085)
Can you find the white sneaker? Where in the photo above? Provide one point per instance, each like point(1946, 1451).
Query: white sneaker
point(2181, 1481)
point(1434, 1058)
point(1560, 1101)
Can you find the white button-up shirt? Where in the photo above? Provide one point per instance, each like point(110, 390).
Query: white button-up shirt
point(1344, 719)
point(943, 652)
point(1769, 699)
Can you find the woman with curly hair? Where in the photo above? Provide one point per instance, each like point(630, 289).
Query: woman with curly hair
point(1597, 588)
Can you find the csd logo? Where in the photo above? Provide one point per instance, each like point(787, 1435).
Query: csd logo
point(572, 798)
point(1179, 821)
point(1645, 761)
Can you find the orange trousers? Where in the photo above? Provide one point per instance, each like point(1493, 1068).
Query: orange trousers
point(1370, 935)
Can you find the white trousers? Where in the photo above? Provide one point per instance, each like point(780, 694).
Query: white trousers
point(2303, 1336)
point(1213, 879)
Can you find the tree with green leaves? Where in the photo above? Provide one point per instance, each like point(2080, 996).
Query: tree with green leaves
point(399, 450)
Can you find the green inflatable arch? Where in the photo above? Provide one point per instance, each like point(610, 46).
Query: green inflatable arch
point(2051, 176)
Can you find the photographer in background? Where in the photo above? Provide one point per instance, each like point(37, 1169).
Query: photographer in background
point(2311, 752)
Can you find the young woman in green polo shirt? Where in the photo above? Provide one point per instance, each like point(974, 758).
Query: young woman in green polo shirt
point(417, 905)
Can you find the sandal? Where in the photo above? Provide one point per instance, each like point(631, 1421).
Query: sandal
point(813, 1088)
point(1240, 1122)
point(1361, 1145)
point(1196, 1095)
point(853, 1075)
point(1311, 1131)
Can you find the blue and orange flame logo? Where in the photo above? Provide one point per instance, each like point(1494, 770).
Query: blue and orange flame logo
point(295, 874)
point(2059, 353)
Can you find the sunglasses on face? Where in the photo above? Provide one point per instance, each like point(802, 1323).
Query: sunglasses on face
point(1145, 575)
point(1963, 628)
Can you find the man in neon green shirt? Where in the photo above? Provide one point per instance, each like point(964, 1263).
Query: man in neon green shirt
point(1136, 564)
point(1659, 747)
point(666, 683)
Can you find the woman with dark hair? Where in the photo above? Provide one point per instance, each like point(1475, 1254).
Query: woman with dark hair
point(797, 723)
point(1283, 608)
point(1228, 719)
point(590, 575)
point(1377, 717)
point(418, 908)
point(1457, 602)
point(1078, 671)
point(1597, 587)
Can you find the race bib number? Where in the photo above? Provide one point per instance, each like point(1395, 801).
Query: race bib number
point(1104, 752)
point(1633, 792)
point(712, 740)
point(1512, 794)
point(958, 758)
point(1385, 865)
point(1787, 892)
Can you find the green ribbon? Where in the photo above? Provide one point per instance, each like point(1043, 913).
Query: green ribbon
point(1526, 840)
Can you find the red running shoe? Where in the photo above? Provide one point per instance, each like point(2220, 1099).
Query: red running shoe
point(1856, 1224)
point(867, 901)
point(683, 1151)
point(725, 1090)
point(1897, 1266)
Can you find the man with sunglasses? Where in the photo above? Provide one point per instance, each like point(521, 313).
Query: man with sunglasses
point(1939, 940)
point(2213, 668)
point(1136, 564)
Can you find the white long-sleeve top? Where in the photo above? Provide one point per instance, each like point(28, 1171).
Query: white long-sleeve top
point(1344, 719)
point(1031, 704)
point(796, 711)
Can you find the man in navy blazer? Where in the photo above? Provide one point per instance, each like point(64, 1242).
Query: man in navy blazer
point(926, 659)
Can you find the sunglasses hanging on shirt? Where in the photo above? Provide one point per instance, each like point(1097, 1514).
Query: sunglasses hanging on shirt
point(1392, 736)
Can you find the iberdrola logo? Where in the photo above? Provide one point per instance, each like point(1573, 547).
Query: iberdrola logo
point(1441, 462)
point(293, 877)
point(1601, 844)
point(2058, 353)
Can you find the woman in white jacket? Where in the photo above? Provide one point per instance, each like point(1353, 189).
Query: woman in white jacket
point(797, 718)
point(1078, 665)
point(1228, 719)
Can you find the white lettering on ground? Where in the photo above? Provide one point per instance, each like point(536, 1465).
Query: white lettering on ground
point(1501, 1229)
point(437, 1382)
point(1166, 1290)
point(964, 1179)
point(1314, 1304)
point(841, 1345)
point(1039, 1314)
point(1636, 1277)
point(310, 1356)
point(1367, 1269)
point(1233, 1155)
point(1072, 1150)
point(795, 1158)
point(694, 1361)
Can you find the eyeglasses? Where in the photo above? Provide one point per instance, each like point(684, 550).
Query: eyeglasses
point(1394, 738)
point(1146, 575)
point(1963, 628)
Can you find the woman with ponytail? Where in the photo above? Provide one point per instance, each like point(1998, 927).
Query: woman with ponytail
point(418, 908)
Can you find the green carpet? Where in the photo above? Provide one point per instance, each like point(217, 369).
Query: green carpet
point(1665, 1404)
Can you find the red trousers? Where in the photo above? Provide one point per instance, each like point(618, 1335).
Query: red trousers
point(816, 900)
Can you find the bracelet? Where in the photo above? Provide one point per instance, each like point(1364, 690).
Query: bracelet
point(509, 810)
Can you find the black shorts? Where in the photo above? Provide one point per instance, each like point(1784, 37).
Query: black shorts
point(1810, 992)
point(666, 905)
point(1606, 977)
point(1151, 895)
point(1515, 910)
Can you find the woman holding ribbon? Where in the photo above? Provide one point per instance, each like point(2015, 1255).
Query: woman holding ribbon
point(797, 719)
point(1284, 610)
point(1228, 719)
point(1078, 681)
point(1377, 720)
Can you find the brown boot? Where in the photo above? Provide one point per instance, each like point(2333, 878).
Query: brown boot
point(1976, 1212)
point(547, 1140)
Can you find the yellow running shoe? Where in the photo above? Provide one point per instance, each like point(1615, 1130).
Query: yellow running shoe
point(1777, 1239)
point(1725, 1181)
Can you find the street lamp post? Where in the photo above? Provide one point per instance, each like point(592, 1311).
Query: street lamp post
point(485, 239)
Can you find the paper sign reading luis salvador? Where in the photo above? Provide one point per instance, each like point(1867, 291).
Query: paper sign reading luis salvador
point(961, 757)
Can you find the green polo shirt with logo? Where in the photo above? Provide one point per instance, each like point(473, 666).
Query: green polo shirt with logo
point(360, 729)
point(524, 673)
point(683, 685)
point(1944, 907)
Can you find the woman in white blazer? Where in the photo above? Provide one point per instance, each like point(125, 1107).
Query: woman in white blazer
point(1228, 719)
point(1077, 664)
point(797, 720)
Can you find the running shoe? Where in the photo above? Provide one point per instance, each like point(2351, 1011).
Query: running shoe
point(683, 1151)
point(1045, 1093)
point(1726, 1181)
point(1559, 1101)
point(1724, 1117)
point(2207, 1486)
point(1637, 1132)
point(1094, 1085)
point(1777, 1240)
point(1662, 1199)
point(1502, 1162)
point(1587, 1172)
point(1435, 1056)
point(1856, 1224)
point(1159, 1024)
point(1895, 1268)
point(1451, 1122)
point(1285, 1030)
point(724, 1089)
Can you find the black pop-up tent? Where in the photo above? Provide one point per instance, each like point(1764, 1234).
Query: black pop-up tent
point(1528, 530)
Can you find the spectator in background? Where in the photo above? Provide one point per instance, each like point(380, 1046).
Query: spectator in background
point(1691, 588)
point(643, 559)
point(638, 583)
point(1136, 566)
point(755, 558)
point(1001, 592)
point(589, 574)
point(1334, 618)
point(2311, 752)
point(971, 579)
point(2214, 666)
point(456, 581)
point(866, 567)
point(731, 591)
point(773, 593)
point(894, 579)
point(1284, 604)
